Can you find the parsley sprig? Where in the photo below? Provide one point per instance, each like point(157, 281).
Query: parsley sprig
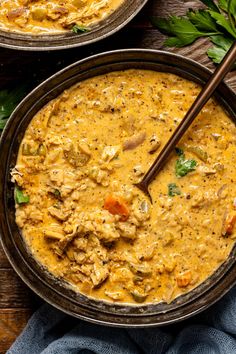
point(78, 29)
point(217, 22)
point(173, 190)
point(183, 166)
point(8, 101)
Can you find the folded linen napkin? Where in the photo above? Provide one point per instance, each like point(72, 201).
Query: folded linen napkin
point(49, 331)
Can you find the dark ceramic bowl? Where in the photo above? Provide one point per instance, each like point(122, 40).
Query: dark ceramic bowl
point(33, 274)
point(113, 23)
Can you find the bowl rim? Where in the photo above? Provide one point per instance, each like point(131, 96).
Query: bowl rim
point(7, 38)
point(226, 281)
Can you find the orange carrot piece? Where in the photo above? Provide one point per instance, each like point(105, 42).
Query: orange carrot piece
point(117, 206)
point(184, 279)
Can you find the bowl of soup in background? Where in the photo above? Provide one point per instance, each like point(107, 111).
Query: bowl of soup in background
point(40, 37)
point(54, 289)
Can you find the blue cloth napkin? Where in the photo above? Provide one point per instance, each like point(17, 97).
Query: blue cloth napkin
point(49, 331)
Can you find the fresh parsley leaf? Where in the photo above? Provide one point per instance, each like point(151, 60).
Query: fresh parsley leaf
point(222, 42)
point(162, 24)
point(216, 54)
point(202, 20)
point(180, 27)
point(210, 22)
point(232, 8)
point(211, 5)
point(223, 5)
point(232, 13)
point(173, 190)
point(20, 197)
point(80, 29)
point(183, 166)
point(179, 151)
point(2, 123)
point(222, 21)
point(222, 45)
point(8, 101)
point(173, 42)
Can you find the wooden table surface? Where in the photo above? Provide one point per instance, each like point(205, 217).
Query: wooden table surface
point(17, 302)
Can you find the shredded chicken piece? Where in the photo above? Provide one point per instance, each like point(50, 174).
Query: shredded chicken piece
point(134, 141)
point(100, 274)
point(15, 13)
point(63, 243)
point(58, 213)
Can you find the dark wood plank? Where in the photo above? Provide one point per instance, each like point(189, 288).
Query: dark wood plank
point(12, 321)
point(4, 263)
point(14, 294)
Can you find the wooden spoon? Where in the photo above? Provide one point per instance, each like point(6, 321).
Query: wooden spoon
point(193, 111)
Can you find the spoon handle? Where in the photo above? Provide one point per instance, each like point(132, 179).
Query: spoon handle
point(196, 107)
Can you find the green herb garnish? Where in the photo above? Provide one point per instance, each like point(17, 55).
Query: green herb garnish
point(173, 190)
point(8, 101)
point(184, 166)
point(20, 197)
point(217, 21)
point(80, 29)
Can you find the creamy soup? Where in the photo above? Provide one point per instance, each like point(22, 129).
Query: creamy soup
point(42, 16)
point(79, 211)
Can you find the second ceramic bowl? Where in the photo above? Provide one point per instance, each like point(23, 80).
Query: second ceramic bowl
point(111, 24)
